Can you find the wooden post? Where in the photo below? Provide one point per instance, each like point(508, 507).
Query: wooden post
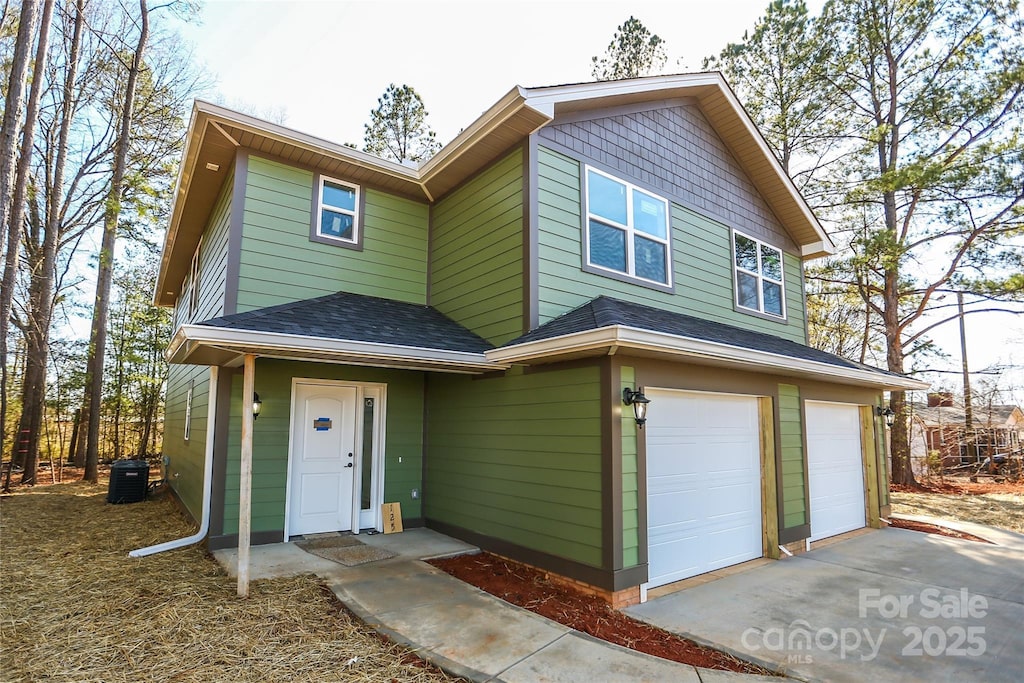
point(245, 476)
point(869, 458)
point(769, 484)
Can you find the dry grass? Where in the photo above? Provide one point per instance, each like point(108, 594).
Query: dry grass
point(75, 607)
point(1004, 510)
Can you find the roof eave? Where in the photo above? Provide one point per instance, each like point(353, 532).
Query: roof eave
point(696, 350)
point(189, 341)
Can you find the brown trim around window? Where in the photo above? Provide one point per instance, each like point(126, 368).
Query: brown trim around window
point(315, 236)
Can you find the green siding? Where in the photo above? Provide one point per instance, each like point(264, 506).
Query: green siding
point(794, 511)
point(701, 255)
point(403, 438)
point(630, 483)
point(477, 252)
point(213, 262)
point(186, 458)
point(279, 264)
point(519, 458)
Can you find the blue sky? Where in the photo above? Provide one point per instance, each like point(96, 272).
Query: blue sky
point(319, 67)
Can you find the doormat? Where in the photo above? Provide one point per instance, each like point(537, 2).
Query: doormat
point(346, 550)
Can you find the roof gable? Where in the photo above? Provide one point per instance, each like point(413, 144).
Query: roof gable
point(216, 134)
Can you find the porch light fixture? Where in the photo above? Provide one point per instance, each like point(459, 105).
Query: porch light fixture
point(639, 403)
point(888, 413)
point(257, 405)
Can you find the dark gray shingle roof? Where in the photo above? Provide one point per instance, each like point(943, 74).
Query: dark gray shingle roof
point(361, 318)
point(605, 311)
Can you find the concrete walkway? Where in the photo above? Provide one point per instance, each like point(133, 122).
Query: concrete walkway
point(460, 628)
point(889, 605)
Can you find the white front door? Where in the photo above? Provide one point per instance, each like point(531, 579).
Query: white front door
point(703, 483)
point(835, 468)
point(323, 459)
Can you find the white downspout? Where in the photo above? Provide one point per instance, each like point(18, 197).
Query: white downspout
point(204, 525)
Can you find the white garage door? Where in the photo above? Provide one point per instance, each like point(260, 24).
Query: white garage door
point(703, 483)
point(835, 469)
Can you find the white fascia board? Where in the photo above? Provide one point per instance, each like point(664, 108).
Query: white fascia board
point(551, 95)
point(268, 343)
point(817, 250)
point(307, 141)
point(186, 170)
point(494, 117)
point(634, 338)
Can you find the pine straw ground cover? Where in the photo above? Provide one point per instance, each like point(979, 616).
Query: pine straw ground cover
point(75, 607)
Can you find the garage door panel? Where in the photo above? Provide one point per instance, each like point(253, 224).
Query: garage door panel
point(704, 499)
point(674, 509)
point(835, 468)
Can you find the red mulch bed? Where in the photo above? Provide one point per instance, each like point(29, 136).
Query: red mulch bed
point(933, 529)
point(531, 589)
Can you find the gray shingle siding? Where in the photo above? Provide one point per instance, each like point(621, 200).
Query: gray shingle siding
point(675, 150)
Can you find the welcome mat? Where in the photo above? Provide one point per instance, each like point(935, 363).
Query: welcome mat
point(346, 550)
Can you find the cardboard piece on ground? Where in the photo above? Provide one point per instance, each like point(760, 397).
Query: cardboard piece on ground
point(392, 513)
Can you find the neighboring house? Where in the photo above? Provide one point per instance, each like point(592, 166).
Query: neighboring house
point(456, 337)
point(940, 428)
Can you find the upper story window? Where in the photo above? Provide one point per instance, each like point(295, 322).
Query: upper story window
point(193, 282)
point(627, 230)
point(759, 283)
point(337, 213)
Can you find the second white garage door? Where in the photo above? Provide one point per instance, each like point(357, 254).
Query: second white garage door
point(835, 468)
point(703, 483)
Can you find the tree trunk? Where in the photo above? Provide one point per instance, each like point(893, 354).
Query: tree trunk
point(11, 231)
point(13, 107)
point(101, 306)
point(34, 391)
point(75, 422)
point(901, 471)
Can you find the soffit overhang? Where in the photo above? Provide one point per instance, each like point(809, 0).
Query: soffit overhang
point(216, 133)
point(633, 341)
point(222, 346)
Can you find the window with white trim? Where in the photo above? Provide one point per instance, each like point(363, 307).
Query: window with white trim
point(759, 279)
point(193, 282)
point(188, 409)
point(627, 230)
point(337, 213)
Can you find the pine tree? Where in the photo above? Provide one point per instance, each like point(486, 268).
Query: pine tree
point(398, 127)
point(633, 52)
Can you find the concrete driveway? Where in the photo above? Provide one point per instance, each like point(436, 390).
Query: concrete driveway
point(890, 605)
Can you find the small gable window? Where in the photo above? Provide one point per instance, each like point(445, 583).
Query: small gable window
point(627, 230)
point(759, 283)
point(337, 217)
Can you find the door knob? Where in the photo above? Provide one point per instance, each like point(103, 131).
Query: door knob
point(348, 465)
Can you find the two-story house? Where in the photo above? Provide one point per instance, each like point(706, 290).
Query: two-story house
point(464, 337)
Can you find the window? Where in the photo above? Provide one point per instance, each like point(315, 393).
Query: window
point(193, 283)
point(337, 214)
point(188, 409)
point(627, 230)
point(759, 284)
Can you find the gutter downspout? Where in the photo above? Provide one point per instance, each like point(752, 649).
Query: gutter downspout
point(204, 525)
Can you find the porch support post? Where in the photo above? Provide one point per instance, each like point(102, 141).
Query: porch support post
point(245, 476)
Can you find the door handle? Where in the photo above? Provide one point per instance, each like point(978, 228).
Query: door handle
point(348, 465)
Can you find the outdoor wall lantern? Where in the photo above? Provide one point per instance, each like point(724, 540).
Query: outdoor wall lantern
point(639, 403)
point(257, 405)
point(888, 413)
